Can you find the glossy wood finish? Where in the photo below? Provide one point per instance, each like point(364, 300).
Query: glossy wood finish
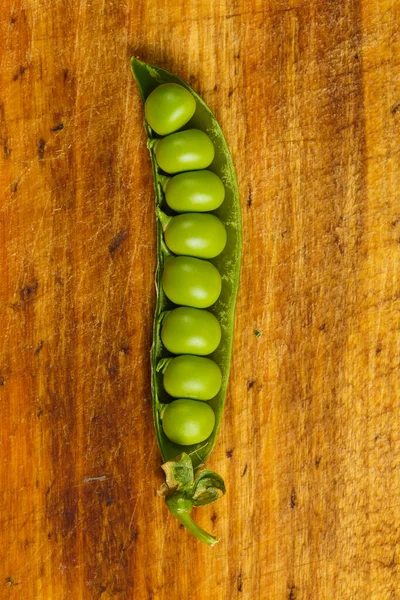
point(308, 95)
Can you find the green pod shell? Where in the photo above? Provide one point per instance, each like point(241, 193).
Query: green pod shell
point(183, 492)
point(148, 78)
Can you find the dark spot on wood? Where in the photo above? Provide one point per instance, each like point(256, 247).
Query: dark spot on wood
point(257, 332)
point(283, 233)
point(135, 535)
point(292, 593)
point(65, 74)
point(395, 109)
point(356, 56)
point(322, 327)
point(11, 581)
point(58, 127)
point(339, 244)
point(117, 241)
point(101, 588)
point(250, 383)
point(317, 461)
point(49, 535)
point(181, 526)
point(125, 348)
point(2, 380)
point(29, 292)
point(229, 452)
point(239, 582)
point(214, 518)
point(48, 490)
point(113, 370)
point(378, 350)
point(395, 221)
point(107, 498)
point(13, 19)
point(237, 56)
point(230, 93)
point(293, 499)
point(39, 412)
point(19, 73)
point(192, 79)
point(69, 517)
point(250, 198)
point(41, 147)
point(39, 347)
point(6, 149)
point(244, 471)
point(215, 87)
point(14, 186)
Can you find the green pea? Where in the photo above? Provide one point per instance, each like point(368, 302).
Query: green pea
point(187, 150)
point(191, 282)
point(192, 377)
point(169, 107)
point(195, 234)
point(187, 422)
point(188, 330)
point(197, 191)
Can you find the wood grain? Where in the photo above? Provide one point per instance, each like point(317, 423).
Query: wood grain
point(308, 95)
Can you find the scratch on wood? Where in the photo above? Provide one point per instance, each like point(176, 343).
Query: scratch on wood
point(65, 74)
point(317, 461)
point(11, 581)
point(244, 471)
point(99, 478)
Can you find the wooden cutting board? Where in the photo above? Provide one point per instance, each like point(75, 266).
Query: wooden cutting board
point(308, 95)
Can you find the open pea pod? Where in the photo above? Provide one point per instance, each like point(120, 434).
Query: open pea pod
point(182, 489)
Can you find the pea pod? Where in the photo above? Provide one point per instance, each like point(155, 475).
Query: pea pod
point(183, 488)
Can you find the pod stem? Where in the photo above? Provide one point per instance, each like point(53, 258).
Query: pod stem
point(182, 492)
point(181, 508)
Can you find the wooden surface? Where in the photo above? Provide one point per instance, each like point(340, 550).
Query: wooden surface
point(308, 95)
